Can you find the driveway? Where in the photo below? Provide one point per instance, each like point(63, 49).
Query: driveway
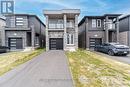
point(125, 59)
point(50, 69)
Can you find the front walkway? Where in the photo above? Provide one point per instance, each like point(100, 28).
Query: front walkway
point(50, 69)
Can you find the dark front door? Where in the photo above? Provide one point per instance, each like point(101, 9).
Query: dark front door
point(94, 41)
point(15, 43)
point(56, 43)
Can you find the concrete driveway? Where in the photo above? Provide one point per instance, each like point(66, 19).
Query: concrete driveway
point(50, 69)
point(125, 59)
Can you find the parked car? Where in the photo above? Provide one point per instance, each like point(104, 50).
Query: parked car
point(113, 49)
point(3, 49)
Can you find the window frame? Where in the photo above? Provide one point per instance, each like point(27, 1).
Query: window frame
point(70, 39)
point(19, 21)
point(100, 23)
point(94, 24)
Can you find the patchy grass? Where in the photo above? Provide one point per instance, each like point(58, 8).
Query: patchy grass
point(10, 60)
point(92, 70)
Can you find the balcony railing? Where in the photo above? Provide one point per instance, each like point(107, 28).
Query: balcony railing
point(56, 26)
point(110, 26)
point(70, 25)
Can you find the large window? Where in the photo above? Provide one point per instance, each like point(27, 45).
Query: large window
point(19, 21)
point(96, 23)
point(93, 23)
point(56, 24)
point(70, 39)
point(70, 24)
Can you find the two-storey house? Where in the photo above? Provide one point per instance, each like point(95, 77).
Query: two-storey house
point(62, 29)
point(23, 31)
point(94, 30)
point(2, 24)
point(124, 27)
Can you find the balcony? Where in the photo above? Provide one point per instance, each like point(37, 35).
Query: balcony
point(56, 27)
point(111, 26)
point(70, 24)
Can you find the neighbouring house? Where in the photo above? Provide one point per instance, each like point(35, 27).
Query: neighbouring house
point(23, 31)
point(2, 24)
point(62, 29)
point(124, 27)
point(94, 30)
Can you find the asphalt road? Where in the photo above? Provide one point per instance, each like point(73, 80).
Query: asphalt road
point(50, 69)
point(124, 59)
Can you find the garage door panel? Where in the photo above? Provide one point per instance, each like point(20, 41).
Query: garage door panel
point(15, 43)
point(56, 43)
point(94, 41)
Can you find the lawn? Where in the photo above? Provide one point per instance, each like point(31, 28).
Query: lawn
point(10, 60)
point(92, 70)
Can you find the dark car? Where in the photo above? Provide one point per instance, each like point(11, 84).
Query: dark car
point(3, 49)
point(113, 49)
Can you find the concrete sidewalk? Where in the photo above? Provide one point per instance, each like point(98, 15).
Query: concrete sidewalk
point(50, 69)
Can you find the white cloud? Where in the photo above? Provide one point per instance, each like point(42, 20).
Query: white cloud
point(101, 3)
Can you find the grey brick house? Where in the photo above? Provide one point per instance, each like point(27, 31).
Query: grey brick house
point(23, 31)
point(2, 24)
point(95, 30)
point(124, 27)
point(62, 29)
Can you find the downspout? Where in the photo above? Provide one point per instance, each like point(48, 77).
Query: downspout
point(85, 34)
point(129, 31)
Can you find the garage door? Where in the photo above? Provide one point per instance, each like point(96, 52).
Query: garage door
point(15, 43)
point(94, 41)
point(56, 43)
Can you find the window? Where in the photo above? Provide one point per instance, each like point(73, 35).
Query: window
point(19, 21)
point(70, 39)
point(70, 24)
point(93, 23)
point(98, 23)
point(110, 24)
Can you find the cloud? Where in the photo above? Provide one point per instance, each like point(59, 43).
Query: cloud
point(101, 3)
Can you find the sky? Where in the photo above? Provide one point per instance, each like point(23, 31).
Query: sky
point(87, 7)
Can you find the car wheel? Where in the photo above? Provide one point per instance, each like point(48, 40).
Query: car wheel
point(111, 53)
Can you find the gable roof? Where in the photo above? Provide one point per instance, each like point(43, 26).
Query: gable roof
point(124, 16)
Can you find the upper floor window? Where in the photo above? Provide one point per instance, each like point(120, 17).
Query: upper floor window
point(19, 21)
point(70, 24)
point(98, 22)
point(93, 23)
